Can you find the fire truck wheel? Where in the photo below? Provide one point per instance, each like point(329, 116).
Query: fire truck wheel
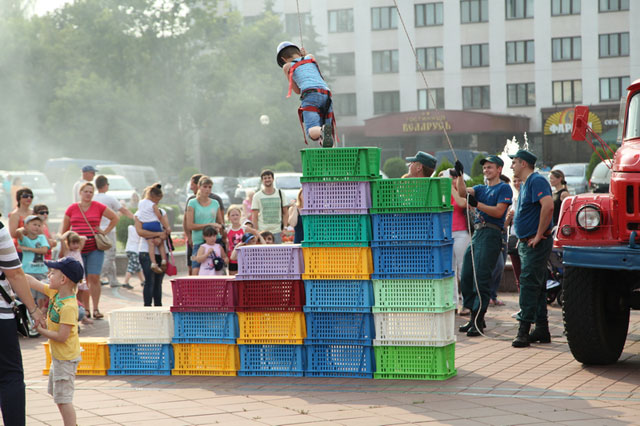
point(595, 314)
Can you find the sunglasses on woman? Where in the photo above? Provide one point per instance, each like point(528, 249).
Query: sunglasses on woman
point(26, 196)
point(43, 212)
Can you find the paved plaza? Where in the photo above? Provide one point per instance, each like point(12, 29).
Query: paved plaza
point(496, 385)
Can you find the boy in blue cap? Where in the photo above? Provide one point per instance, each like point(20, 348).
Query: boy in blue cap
point(533, 222)
point(491, 202)
point(316, 111)
point(62, 331)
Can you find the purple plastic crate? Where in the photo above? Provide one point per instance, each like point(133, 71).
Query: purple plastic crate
point(336, 198)
point(272, 261)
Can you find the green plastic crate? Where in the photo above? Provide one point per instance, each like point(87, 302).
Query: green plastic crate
point(340, 164)
point(432, 296)
point(340, 230)
point(415, 362)
point(412, 195)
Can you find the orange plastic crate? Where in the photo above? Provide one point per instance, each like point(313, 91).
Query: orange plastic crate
point(277, 328)
point(337, 263)
point(95, 357)
point(197, 359)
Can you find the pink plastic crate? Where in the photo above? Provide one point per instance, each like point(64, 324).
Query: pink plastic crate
point(336, 198)
point(203, 294)
point(270, 261)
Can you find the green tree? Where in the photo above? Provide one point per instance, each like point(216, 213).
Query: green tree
point(395, 167)
point(595, 159)
point(444, 165)
point(476, 167)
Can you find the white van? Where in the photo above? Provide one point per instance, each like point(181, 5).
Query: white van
point(139, 176)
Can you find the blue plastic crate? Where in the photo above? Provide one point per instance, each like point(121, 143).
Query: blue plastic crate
point(427, 261)
point(345, 327)
point(339, 360)
point(140, 359)
point(205, 327)
point(388, 229)
point(271, 360)
point(338, 295)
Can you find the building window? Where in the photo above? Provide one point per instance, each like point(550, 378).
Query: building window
point(432, 99)
point(384, 18)
point(616, 44)
point(567, 92)
point(521, 94)
point(566, 49)
point(342, 63)
point(518, 9)
point(344, 104)
point(612, 88)
point(613, 5)
point(386, 102)
point(476, 97)
point(475, 55)
point(385, 61)
point(430, 58)
point(520, 52)
point(341, 21)
point(565, 7)
point(474, 11)
point(291, 23)
point(428, 14)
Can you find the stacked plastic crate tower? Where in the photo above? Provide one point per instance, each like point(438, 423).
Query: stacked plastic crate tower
point(412, 247)
point(338, 263)
point(269, 309)
point(205, 326)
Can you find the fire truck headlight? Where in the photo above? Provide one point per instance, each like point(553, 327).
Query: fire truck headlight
point(589, 217)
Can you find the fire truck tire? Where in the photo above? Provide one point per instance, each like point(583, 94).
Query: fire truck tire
point(595, 315)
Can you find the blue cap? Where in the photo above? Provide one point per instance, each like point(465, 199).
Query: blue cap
point(493, 159)
point(427, 160)
point(89, 168)
point(247, 237)
point(70, 267)
point(525, 155)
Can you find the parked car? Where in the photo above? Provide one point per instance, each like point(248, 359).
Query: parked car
point(64, 172)
point(43, 192)
point(120, 188)
point(600, 177)
point(576, 176)
point(138, 176)
point(228, 185)
point(245, 184)
point(289, 184)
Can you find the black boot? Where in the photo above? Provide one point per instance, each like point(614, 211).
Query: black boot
point(465, 327)
point(475, 331)
point(541, 332)
point(522, 339)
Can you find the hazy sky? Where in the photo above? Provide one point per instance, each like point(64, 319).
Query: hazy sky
point(44, 6)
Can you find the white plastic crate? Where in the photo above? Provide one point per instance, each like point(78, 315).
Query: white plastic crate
point(141, 325)
point(414, 329)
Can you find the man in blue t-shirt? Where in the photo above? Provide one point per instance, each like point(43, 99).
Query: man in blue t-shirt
point(491, 202)
point(534, 211)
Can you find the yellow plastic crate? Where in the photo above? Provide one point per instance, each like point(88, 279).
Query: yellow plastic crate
point(277, 328)
point(199, 359)
point(95, 357)
point(337, 263)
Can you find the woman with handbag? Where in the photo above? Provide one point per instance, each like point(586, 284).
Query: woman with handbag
point(84, 219)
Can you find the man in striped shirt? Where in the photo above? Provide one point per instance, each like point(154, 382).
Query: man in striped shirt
point(12, 277)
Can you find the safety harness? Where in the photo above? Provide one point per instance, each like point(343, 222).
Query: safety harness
point(324, 111)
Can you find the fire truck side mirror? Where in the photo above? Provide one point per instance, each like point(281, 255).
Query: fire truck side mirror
point(580, 123)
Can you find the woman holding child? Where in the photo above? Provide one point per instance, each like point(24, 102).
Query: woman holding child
point(201, 212)
point(84, 218)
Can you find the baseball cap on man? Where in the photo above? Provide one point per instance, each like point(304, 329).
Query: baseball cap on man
point(427, 160)
point(70, 267)
point(525, 155)
point(89, 168)
point(31, 217)
point(493, 159)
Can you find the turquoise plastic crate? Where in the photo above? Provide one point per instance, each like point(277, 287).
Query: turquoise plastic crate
point(336, 230)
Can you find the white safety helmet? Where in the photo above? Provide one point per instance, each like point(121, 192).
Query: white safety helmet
point(280, 48)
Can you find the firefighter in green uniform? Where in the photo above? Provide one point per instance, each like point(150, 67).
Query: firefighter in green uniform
point(534, 211)
point(491, 202)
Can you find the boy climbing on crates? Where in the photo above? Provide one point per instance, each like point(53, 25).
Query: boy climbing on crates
point(315, 112)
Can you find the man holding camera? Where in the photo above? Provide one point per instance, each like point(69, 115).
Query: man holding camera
point(491, 202)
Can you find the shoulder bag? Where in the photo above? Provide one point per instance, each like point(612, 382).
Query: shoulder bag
point(20, 312)
point(102, 241)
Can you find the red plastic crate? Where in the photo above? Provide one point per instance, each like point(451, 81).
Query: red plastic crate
point(203, 294)
point(270, 295)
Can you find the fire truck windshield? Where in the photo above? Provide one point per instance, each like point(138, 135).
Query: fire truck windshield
point(633, 117)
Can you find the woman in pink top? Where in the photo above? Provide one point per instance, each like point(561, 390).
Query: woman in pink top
point(460, 234)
